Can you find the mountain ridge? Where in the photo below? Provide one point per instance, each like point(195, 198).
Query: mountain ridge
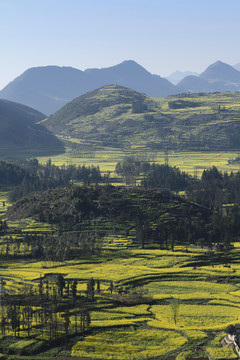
point(49, 88)
point(218, 77)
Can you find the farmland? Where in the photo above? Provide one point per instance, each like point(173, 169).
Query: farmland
point(94, 271)
point(176, 306)
point(192, 162)
point(152, 302)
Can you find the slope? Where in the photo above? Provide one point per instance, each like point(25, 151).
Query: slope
point(21, 136)
point(119, 117)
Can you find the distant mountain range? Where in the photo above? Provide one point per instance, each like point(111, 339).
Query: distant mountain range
point(19, 133)
point(49, 88)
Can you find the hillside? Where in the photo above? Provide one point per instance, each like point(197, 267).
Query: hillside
point(49, 88)
point(19, 132)
point(103, 208)
point(119, 117)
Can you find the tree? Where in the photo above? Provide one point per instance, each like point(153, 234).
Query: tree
point(111, 287)
point(74, 289)
point(175, 305)
point(66, 322)
point(40, 288)
point(90, 289)
point(60, 284)
point(98, 287)
point(130, 168)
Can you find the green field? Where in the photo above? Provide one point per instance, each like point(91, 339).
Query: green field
point(181, 307)
point(191, 162)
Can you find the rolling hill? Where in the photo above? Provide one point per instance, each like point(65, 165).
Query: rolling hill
point(19, 133)
point(122, 118)
point(49, 88)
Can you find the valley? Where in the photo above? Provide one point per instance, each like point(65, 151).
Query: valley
point(92, 268)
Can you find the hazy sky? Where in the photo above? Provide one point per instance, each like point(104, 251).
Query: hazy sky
point(161, 35)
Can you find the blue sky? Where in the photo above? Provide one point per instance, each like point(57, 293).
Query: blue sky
point(161, 35)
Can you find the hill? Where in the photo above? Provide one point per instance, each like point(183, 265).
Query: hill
point(177, 76)
point(119, 117)
point(49, 88)
point(19, 133)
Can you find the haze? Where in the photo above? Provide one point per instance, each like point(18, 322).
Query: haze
point(161, 35)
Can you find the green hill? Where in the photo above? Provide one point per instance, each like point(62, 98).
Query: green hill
point(119, 117)
point(108, 209)
point(21, 136)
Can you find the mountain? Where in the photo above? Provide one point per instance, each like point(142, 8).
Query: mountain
point(237, 66)
point(177, 76)
point(221, 72)
point(49, 88)
point(20, 133)
point(119, 117)
point(195, 84)
point(218, 77)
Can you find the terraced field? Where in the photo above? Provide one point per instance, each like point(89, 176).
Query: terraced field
point(180, 311)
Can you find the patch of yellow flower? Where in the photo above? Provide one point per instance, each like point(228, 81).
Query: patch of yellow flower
point(128, 344)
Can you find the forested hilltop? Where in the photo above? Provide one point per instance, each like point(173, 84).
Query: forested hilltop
point(122, 118)
point(149, 213)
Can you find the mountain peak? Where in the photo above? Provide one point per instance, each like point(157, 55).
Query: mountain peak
point(128, 67)
point(221, 71)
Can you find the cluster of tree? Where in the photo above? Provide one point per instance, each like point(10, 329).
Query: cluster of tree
point(54, 310)
point(152, 175)
point(131, 167)
point(215, 189)
point(29, 176)
point(50, 247)
point(165, 177)
point(10, 173)
point(94, 212)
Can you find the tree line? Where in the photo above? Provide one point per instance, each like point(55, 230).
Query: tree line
point(29, 175)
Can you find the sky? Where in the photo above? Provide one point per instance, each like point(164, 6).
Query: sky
point(161, 35)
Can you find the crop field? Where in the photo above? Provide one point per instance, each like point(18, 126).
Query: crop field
point(180, 307)
point(191, 162)
point(183, 301)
